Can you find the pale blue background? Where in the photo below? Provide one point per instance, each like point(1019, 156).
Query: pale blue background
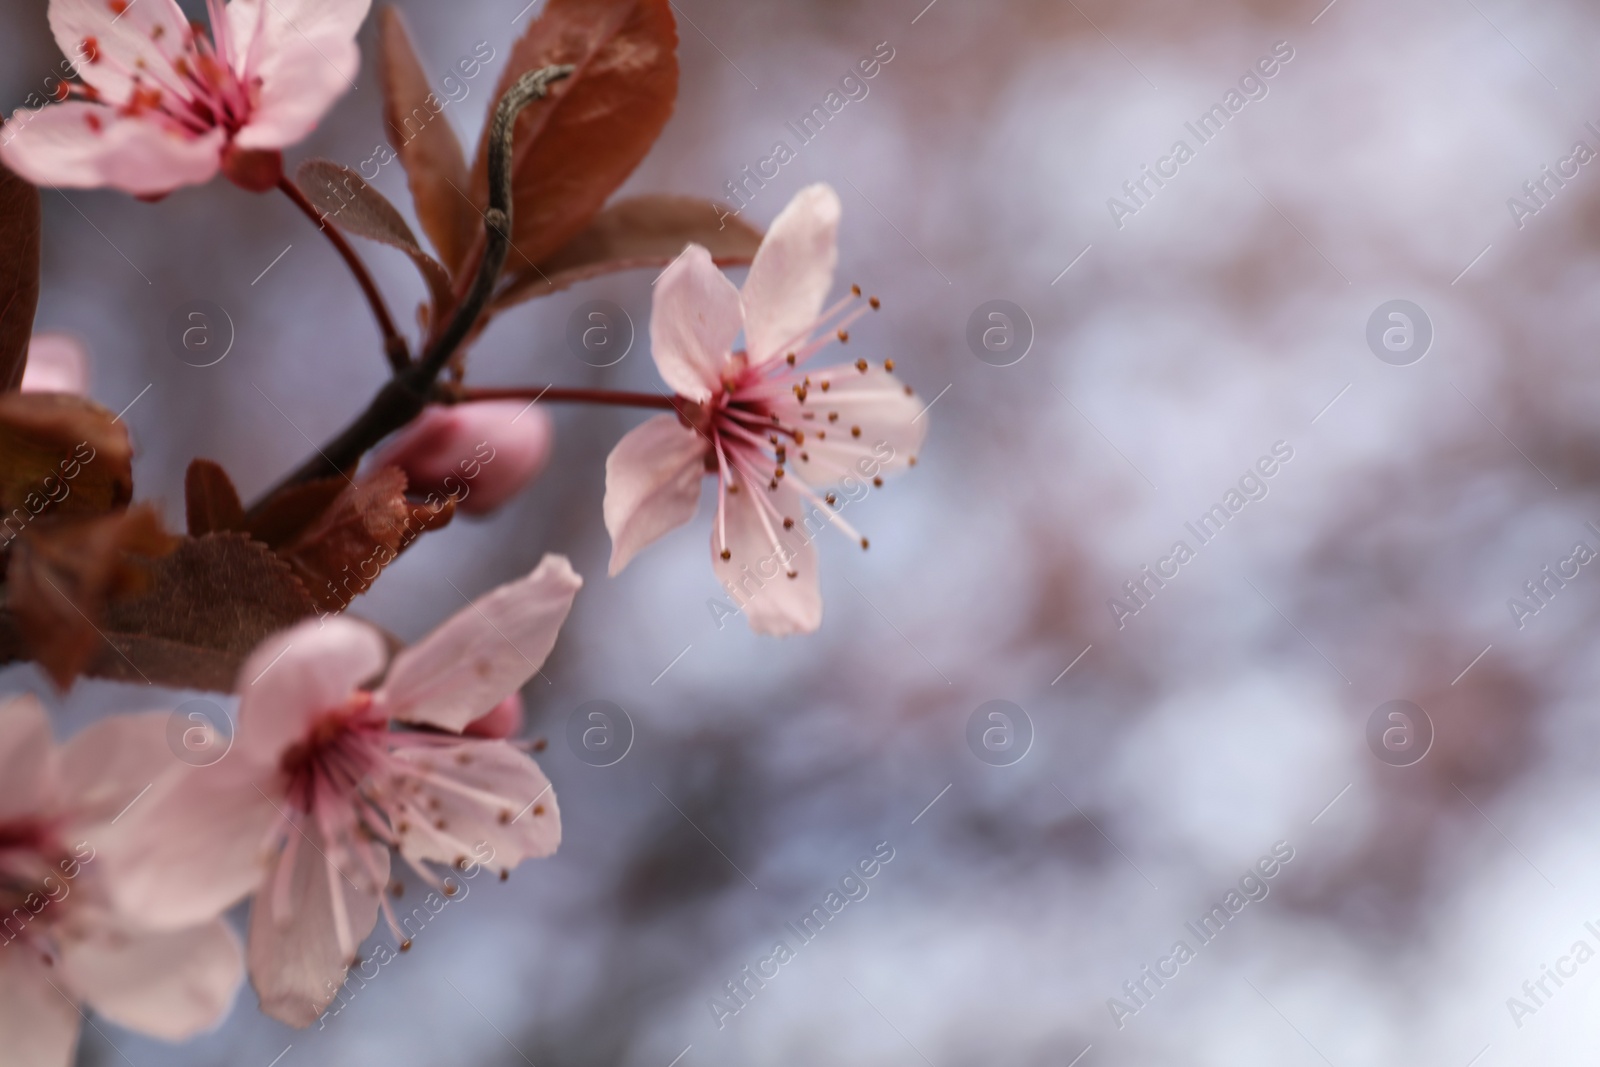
point(1218, 320)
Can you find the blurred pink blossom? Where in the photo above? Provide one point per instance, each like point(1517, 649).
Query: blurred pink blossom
point(481, 453)
point(318, 789)
point(57, 363)
point(61, 944)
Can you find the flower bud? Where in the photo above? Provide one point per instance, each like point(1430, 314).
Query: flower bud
point(57, 363)
point(481, 454)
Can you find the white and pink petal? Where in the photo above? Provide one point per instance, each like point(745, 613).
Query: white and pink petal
point(313, 911)
point(652, 484)
point(197, 844)
point(170, 984)
point(110, 42)
point(504, 720)
point(879, 428)
point(481, 802)
point(89, 145)
point(39, 1022)
point(107, 767)
point(482, 654)
point(771, 570)
point(28, 759)
point(791, 274)
point(694, 319)
point(297, 675)
point(304, 52)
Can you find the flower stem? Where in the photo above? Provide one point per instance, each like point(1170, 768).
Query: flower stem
point(394, 345)
point(404, 396)
point(551, 395)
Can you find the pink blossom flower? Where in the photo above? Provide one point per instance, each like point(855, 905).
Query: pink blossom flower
point(57, 363)
point(61, 944)
point(319, 787)
point(774, 434)
point(161, 104)
point(481, 453)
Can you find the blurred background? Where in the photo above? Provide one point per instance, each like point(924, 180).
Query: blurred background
point(1157, 756)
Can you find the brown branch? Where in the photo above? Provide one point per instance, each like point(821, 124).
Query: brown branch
point(404, 396)
point(394, 345)
point(551, 395)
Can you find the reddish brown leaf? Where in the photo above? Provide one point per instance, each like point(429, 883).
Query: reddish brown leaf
point(642, 231)
point(19, 273)
point(63, 573)
point(436, 166)
point(61, 454)
point(356, 207)
point(574, 148)
point(286, 513)
point(141, 659)
point(364, 530)
point(159, 661)
point(210, 499)
point(208, 605)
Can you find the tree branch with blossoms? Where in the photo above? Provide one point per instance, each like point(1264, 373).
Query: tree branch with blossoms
point(353, 753)
point(405, 395)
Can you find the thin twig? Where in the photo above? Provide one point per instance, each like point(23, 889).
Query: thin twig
point(394, 345)
point(496, 220)
point(405, 395)
point(553, 395)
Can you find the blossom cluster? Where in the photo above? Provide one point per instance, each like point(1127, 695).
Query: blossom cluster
point(120, 861)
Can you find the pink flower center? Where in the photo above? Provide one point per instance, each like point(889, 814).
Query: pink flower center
point(770, 405)
point(340, 751)
point(361, 787)
point(200, 91)
point(327, 782)
point(355, 776)
point(33, 881)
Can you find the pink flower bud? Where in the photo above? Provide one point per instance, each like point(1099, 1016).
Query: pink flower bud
point(504, 720)
point(57, 363)
point(480, 453)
